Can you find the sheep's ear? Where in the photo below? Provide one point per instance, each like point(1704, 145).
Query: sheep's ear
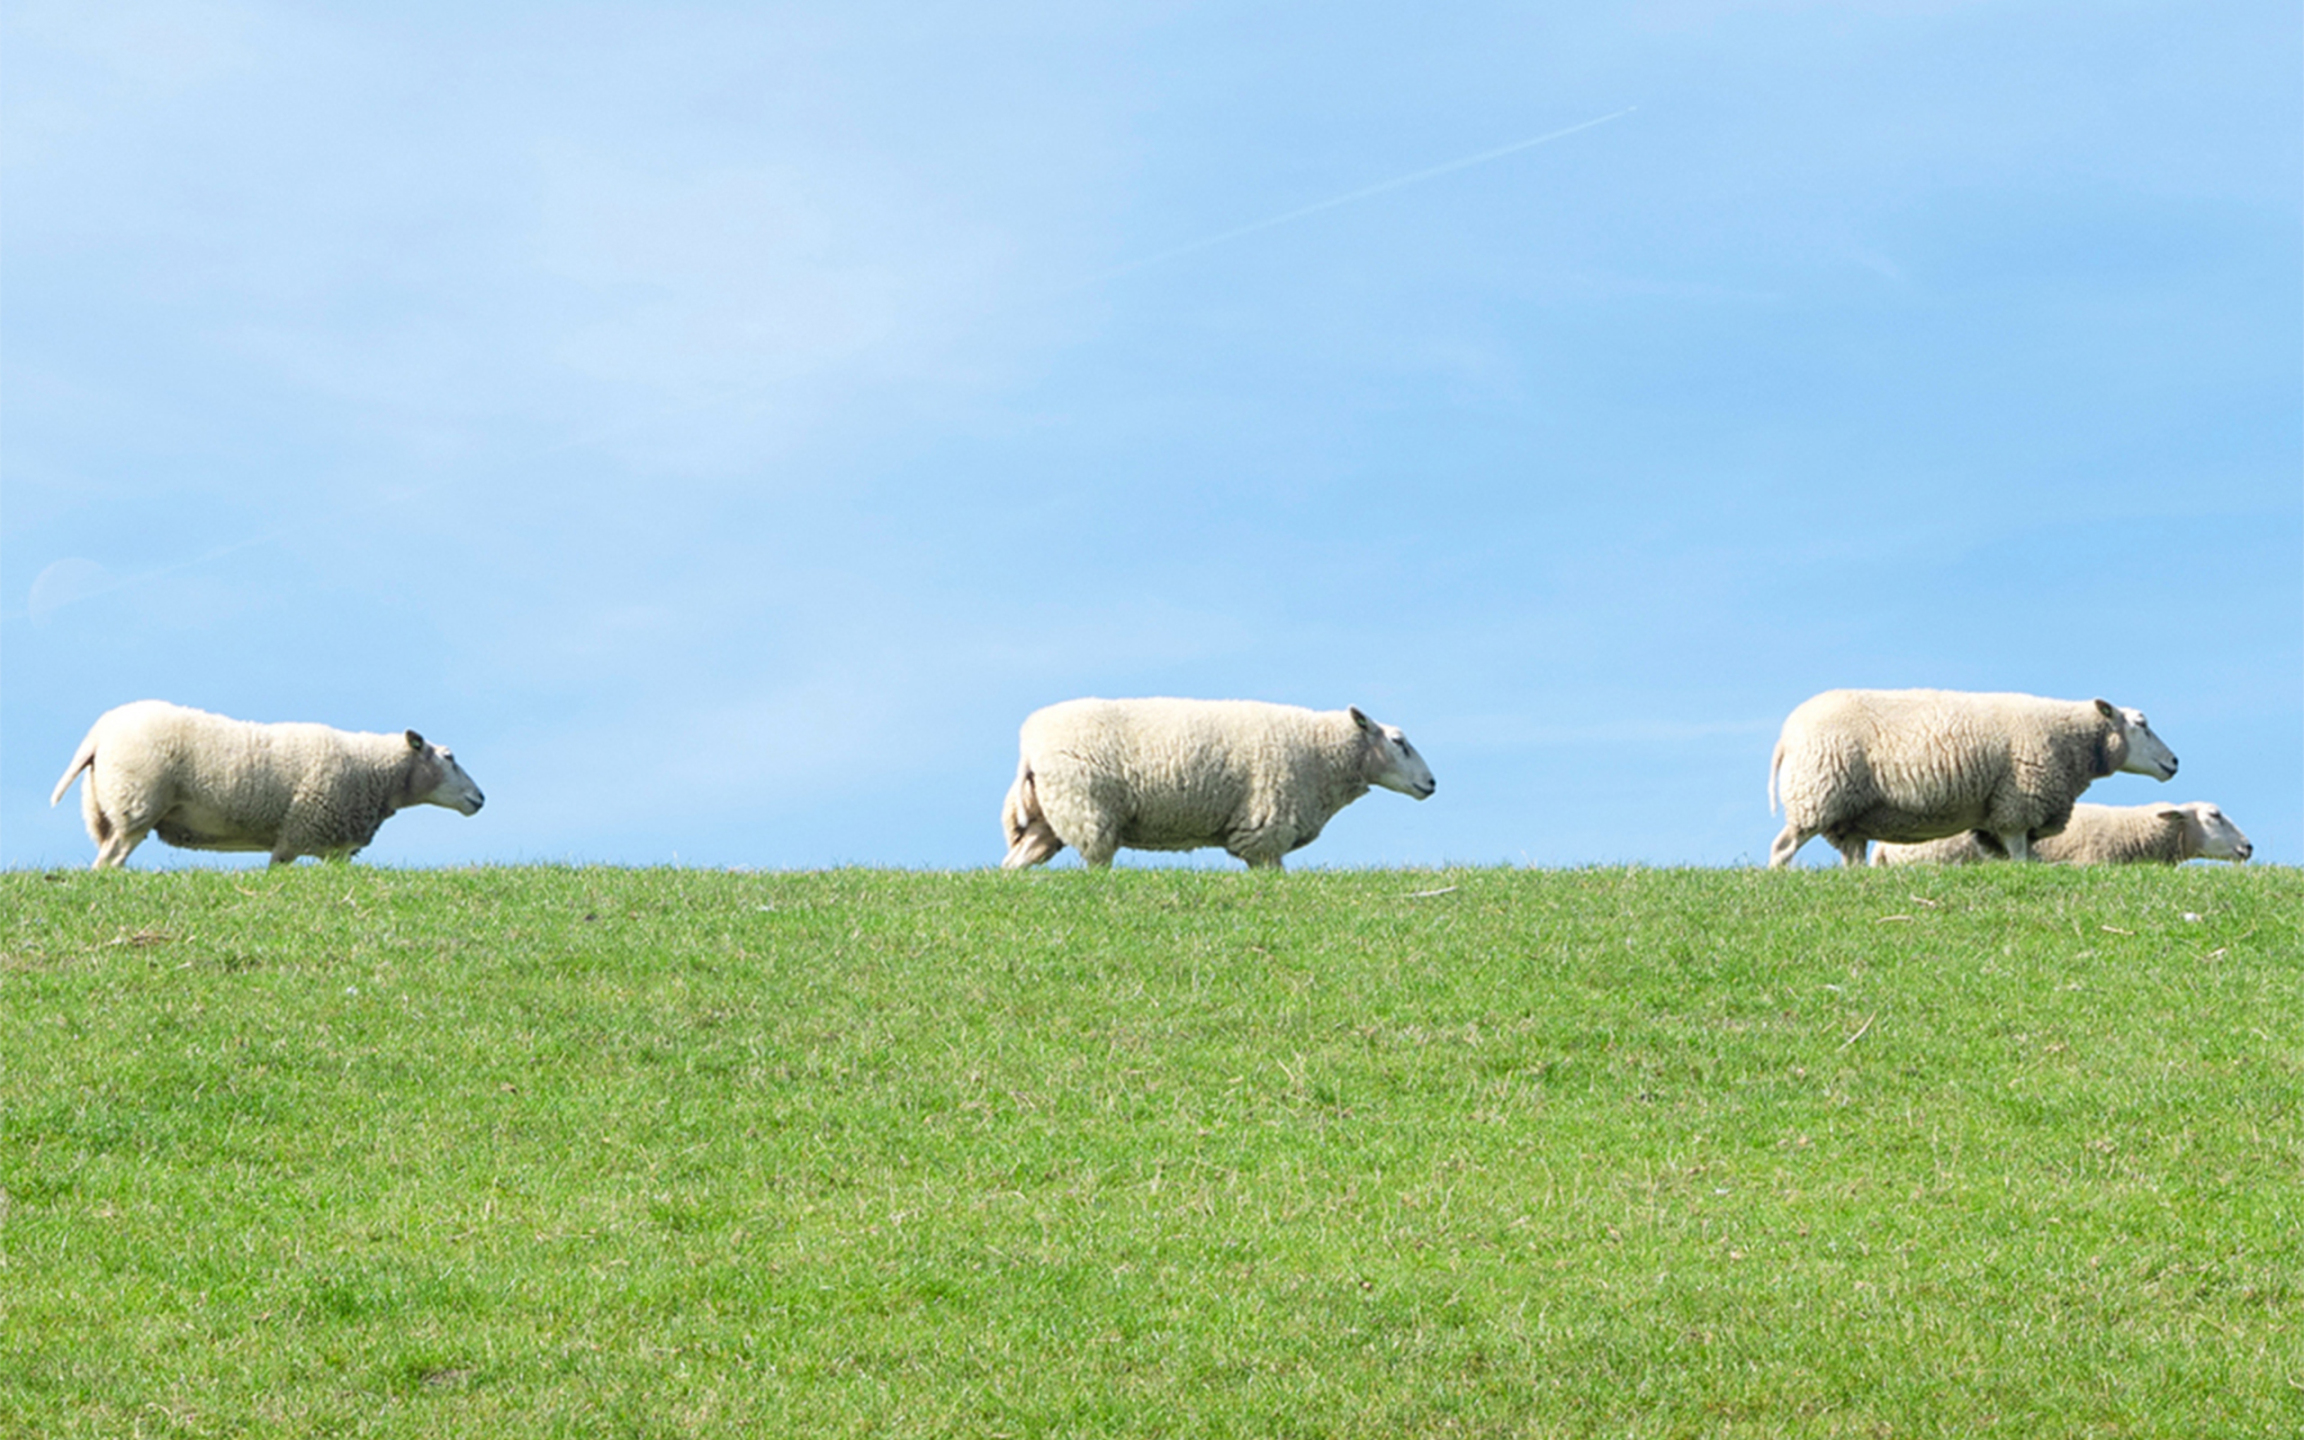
point(415, 741)
point(2108, 710)
point(1359, 719)
point(2170, 812)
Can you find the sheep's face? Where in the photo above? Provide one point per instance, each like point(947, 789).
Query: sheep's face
point(2214, 836)
point(2147, 753)
point(439, 780)
point(1396, 765)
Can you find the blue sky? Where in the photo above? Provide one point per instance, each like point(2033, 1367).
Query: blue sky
point(723, 424)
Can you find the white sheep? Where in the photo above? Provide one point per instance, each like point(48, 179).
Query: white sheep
point(2100, 835)
point(205, 782)
point(1162, 774)
point(1911, 765)
point(1969, 847)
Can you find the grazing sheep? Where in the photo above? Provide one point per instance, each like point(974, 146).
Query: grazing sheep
point(205, 782)
point(1258, 779)
point(2099, 835)
point(1911, 765)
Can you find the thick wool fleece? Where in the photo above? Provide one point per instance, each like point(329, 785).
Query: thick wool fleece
point(1913, 765)
point(2096, 835)
point(1165, 774)
point(208, 782)
point(1967, 848)
point(2124, 835)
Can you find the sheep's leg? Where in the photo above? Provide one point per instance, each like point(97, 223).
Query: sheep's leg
point(2017, 843)
point(306, 830)
point(1016, 812)
point(1852, 850)
point(1037, 844)
point(1262, 846)
point(1098, 846)
point(118, 831)
point(1262, 849)
point(113, 853)
point(1787, 845)
point(100, 826)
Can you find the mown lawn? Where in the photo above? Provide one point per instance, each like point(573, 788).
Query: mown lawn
point(512, 1152)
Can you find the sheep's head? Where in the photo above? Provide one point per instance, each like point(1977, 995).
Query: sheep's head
point(2210, 833)
point(2131, 746)
point(1393, 762)
point(436, 779)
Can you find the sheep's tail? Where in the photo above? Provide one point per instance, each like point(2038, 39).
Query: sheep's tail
point(82, 758)
point(1775, 763)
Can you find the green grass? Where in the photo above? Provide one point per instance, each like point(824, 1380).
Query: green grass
point(347, 1151)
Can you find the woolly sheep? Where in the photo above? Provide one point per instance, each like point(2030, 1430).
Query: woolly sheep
point(1970, 847)
point(1164, 774)
point(2100, 835)
point(205, 782)
point(1912, 765)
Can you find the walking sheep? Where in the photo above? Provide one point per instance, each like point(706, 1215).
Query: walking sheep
point(1258, 779)
point(205, 782)
point(2100, 835)
point(1912, 765)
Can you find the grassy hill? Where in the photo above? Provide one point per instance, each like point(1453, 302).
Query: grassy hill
point(1627, 1152)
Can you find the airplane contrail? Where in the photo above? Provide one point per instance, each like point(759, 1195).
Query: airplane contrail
point(597, 436)
point(1365, 191)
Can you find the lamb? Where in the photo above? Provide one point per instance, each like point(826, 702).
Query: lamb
point(1164, 774)
point(2100, 835)
point(1912, 765)
point(1970, 847)
point(205, 782)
